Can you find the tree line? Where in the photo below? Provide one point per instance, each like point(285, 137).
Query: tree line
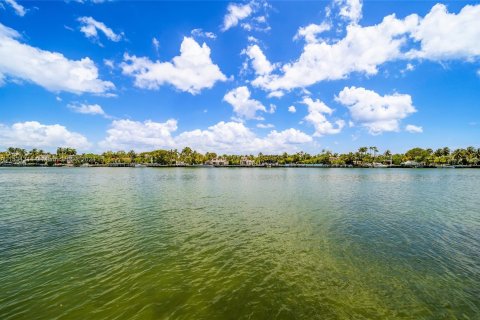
point(188, 156)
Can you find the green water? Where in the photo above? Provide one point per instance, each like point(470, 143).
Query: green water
point(218, 243)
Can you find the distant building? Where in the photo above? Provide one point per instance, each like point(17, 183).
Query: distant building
point(217, 162)
point(411, 163)
point(70, 160)
point(379, 165)
point(244, 161)
point(43, 157)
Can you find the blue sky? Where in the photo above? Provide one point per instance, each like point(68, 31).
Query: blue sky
point(239, 77)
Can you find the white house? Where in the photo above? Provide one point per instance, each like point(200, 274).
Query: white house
point(217, 162)
point(246, 162)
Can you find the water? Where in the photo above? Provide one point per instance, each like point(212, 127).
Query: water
point(218, 243)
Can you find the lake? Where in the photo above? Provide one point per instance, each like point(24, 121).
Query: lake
point(239, 243)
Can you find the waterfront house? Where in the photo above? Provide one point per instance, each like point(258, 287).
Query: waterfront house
point(411, 164)
point(244, 161)
point(379, 165)
point(43, 157)
point(217, 162)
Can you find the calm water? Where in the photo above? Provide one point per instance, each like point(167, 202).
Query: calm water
point(122, 243)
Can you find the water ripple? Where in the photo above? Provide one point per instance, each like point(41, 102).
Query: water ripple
point(114, 243)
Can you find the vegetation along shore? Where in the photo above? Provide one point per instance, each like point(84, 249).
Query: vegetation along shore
point(363, 157)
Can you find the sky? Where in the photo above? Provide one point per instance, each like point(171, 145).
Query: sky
point(239, 77)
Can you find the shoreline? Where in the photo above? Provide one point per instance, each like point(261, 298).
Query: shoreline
point(317, 166)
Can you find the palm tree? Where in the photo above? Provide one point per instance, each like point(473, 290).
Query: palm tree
point(362, 151)
point(33, 153)
point(388, 154)
point(21, 153)
point(375, 150)
point(446, 151)
point(132, 155)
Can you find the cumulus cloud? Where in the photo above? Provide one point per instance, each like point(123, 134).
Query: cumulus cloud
point(204, 34)
point(292, 109)
point(351, 10)
point(310, 32)
point(413, 129)
point(236, 13)
point(191, 71)
point(445, 35)
point(92, 109)
point(90, 27)
point(375, 112)
point(440, 35)
point(50, 70)
point(223, 137)
point(259, 62)
point(250, 16)
point(276, 94)
point(362, 50)
point(33, 134)
point(316, 116)
point(18, 8)
point(141, 136)
point(236, 138)
point(242, 104)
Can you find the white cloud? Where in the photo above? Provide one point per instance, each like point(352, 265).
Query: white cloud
point(242, 104)
point(18, 8)
point(351, 10)
point(235, 14)
point(413, 129)
point(292, 109)
point(441, 36)
point(317, 105)
point(205, 34)
point(362, 50)
point(50, 70)
point(261, 19)
point(276, 94)
point(235, 138)
point(93, 109)
point(223, 137)
point(32, 134)
point(408, 67)
point(191, 71)
point(310, 32)
point(253, 16)
point(316, 116)
point(289, 136)
point(259, 62)
point(90, 28)
point(141, 136)
point(155, 44)
point(109, 63)
point(265, 126)
point(272, 109)
point(375, 112)
point(445, 35)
